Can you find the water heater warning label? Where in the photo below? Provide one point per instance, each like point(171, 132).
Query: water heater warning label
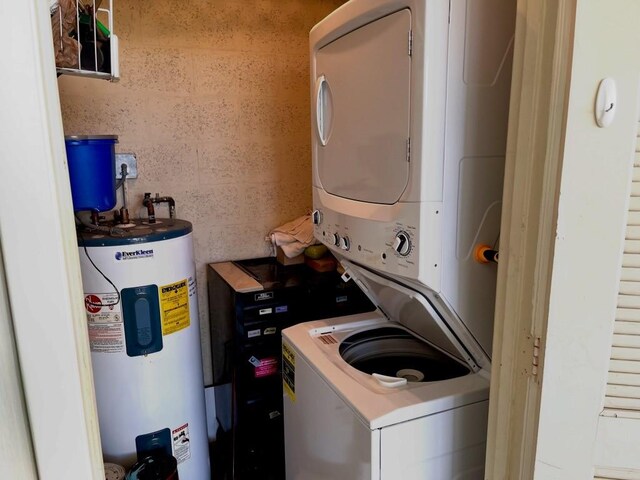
point(174, 303)
point(104, 320)
point(181, 443)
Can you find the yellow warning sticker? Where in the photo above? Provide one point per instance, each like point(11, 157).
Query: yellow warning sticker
point(289, 371)
point(174, 303)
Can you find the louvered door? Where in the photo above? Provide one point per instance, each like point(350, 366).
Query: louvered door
point(615, 474)
point(623, 384)
point(618, 437)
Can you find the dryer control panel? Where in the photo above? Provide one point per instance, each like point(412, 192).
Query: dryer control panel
point(394, 245)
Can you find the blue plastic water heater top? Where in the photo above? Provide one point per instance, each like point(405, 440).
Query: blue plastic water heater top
point(92, 170)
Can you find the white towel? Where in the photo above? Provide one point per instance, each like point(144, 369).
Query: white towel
point(294, 237)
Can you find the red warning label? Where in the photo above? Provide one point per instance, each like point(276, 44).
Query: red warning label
point(106, 327)
point(181, 443)
point(92, 303)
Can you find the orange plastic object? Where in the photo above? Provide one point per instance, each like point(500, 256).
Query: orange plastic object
point(484, 254)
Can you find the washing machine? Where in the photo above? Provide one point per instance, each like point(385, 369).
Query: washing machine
point(410, 102)
point(367, 397)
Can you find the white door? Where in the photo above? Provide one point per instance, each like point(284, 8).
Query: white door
point(362, 111)
point(41, 264)
point(16, 453)
point(556, 412)
point(618, 428)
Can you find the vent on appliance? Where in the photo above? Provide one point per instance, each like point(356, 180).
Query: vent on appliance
point(328, 339)
point(623, 384)
point(604, 473)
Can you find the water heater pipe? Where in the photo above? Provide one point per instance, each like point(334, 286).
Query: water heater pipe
point(168, 200)
point(122, 182)
point(151, 212)
point(124, 211)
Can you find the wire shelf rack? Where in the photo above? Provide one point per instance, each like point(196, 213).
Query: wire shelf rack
point(83, 37)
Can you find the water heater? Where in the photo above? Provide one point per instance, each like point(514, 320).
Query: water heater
point(142, 312)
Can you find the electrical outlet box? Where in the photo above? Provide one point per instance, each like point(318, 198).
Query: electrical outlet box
point(130, 160)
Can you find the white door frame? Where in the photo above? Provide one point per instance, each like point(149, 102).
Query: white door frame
point(566, 191)
point(37, 234)
point(540, 84)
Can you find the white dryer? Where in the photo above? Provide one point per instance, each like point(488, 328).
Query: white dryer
point(409, 117)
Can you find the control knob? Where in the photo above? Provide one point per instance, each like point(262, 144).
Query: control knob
point(402, 243)
point(345, 243)
point(316, 217)
point(335, 239)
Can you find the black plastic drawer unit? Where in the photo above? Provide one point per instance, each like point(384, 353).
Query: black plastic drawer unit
point(250, 303)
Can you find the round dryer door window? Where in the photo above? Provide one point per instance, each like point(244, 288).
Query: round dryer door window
point(394, 352)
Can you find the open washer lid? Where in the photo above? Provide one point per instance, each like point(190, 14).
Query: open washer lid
point(415, 308)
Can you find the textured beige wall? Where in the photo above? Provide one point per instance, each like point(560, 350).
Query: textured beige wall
point(214, 101)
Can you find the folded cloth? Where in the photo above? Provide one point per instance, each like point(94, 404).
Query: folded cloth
point(294, 237)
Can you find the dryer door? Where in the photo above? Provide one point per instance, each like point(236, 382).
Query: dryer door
point(361, 111)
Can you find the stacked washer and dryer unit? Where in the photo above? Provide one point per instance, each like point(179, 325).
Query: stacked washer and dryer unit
point(410, 105)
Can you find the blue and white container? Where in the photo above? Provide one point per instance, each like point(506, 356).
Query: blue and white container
point(92, 171)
